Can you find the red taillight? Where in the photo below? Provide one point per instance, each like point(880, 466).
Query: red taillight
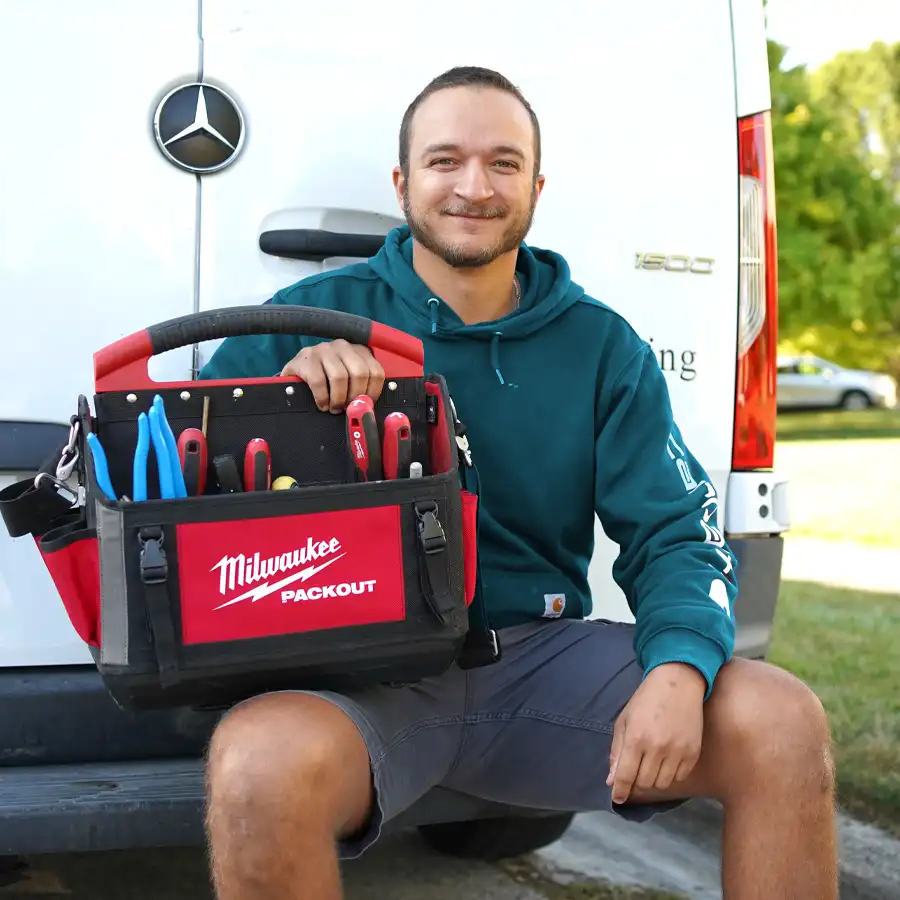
point(755, 407)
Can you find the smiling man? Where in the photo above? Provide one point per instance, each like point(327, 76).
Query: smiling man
point(577, 714)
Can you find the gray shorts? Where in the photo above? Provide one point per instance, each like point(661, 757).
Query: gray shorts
point(533, 730)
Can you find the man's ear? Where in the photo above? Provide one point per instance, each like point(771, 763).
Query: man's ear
point(399, 184)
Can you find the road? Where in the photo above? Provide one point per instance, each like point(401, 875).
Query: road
point(860, 567)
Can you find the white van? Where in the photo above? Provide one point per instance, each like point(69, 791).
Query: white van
point(165, 158)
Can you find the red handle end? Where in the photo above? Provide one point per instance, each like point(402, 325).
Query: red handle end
point(192, 456)
point(397, 445)
point(257, 466)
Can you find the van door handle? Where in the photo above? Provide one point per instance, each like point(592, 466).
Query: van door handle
point(316, 244)
point(26, 446)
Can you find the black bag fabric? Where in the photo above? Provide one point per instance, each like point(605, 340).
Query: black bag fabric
point(205, 599)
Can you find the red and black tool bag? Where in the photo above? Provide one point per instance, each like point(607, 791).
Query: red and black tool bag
point(336, 584)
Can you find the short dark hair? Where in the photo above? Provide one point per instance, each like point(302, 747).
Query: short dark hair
point(466, 76)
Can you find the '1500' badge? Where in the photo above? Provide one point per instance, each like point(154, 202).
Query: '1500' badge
point(697, 265)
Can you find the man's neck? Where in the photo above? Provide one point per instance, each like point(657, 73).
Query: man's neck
point(476, 295)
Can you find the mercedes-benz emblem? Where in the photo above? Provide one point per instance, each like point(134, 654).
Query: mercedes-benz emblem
point(199, 128)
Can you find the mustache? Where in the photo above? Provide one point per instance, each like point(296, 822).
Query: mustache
point(476, 212)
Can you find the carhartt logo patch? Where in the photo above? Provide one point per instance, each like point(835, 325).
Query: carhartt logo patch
point(554, 605)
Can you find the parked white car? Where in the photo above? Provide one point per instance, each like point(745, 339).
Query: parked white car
point(807, 381)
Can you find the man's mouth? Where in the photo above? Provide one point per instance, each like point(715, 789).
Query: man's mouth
point(472, 215)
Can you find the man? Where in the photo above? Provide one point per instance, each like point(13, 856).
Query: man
point(568, 415)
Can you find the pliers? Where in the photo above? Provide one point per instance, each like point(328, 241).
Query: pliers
point(171, 478)
point(151, 427)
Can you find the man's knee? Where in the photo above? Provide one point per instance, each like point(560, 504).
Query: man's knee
point(291, 756)
point(770, 729)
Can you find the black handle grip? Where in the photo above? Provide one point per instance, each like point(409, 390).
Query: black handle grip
point(264, 319)
point(316, 245)
point(123, 365)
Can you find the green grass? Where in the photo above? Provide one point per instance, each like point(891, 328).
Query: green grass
point(523, 872)
point(843, 644)
point(843, 490)
point(833, 425)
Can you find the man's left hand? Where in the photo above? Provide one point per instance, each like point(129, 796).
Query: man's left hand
point(657, 737)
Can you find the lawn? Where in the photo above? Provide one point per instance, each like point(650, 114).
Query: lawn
point(838, 424)
point(844, 483)
point(843, 644)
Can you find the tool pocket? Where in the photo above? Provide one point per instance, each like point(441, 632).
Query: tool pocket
point(70, 553)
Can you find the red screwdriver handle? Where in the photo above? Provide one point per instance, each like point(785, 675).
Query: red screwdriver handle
point(257, 466)
point(362, 438)
point(192, 457)
point(397, 445)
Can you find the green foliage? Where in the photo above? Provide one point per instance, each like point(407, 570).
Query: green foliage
point(836, 135)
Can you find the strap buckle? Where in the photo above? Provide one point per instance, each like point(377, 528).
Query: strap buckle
point(154, 565)
point(431, 532)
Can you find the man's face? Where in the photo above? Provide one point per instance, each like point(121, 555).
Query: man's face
point(471, 191)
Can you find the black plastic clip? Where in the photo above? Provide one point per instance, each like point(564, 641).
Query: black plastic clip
point(154, 566)
point(431, 532)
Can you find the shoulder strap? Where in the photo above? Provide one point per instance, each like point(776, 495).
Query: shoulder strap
point(482, 646)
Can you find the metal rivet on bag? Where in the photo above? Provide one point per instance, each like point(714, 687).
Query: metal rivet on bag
point(131, 398)
point(392, 385)
point(289, 391)
point(238, 392)
point(185, 395)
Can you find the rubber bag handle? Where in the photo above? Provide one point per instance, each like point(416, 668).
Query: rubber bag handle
point(122, 366)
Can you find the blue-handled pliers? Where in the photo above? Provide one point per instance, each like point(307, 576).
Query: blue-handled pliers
point(153, 427)
point(101, 466)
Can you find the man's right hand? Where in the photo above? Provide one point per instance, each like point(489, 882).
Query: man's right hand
point(336, 372)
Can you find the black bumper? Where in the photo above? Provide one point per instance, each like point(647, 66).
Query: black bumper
point(77, 773)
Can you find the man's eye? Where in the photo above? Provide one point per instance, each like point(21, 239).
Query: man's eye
point(442, 162)
point(506, 162)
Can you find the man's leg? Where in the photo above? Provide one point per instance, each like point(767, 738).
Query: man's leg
point(287, 775)
point(296, 781)
point(766, 757)
point(539, 733)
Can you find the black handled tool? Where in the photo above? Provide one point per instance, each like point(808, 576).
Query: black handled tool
point(227, 475)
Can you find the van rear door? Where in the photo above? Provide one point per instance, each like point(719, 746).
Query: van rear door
point(637, 109)
point(97, 239)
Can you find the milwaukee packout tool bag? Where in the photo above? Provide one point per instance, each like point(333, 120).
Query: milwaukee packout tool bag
point(212, 540)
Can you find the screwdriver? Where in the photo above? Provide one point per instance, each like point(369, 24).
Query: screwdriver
point(362, 438)
point(192, 455)
point(397, 445)
point(257, 466)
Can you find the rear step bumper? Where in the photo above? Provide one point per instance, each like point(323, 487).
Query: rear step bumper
point(101, 806)
point(159, 803)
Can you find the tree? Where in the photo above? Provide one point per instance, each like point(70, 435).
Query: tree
point(836, 136)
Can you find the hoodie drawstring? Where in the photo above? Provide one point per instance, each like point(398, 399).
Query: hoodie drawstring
point(495, 338)
point(433, 305)
point(495, 354)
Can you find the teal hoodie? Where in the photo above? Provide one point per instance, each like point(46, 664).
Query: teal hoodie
point(568, 416)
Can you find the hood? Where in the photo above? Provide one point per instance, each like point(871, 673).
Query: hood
point(547, 292)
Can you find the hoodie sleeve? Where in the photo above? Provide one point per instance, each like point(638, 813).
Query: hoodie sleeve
point(657, 503)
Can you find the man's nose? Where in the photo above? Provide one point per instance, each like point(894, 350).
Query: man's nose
point(474, 184)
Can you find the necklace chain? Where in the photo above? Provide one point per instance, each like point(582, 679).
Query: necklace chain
point(518, 290)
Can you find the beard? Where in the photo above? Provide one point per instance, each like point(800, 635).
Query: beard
point(459, 256)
